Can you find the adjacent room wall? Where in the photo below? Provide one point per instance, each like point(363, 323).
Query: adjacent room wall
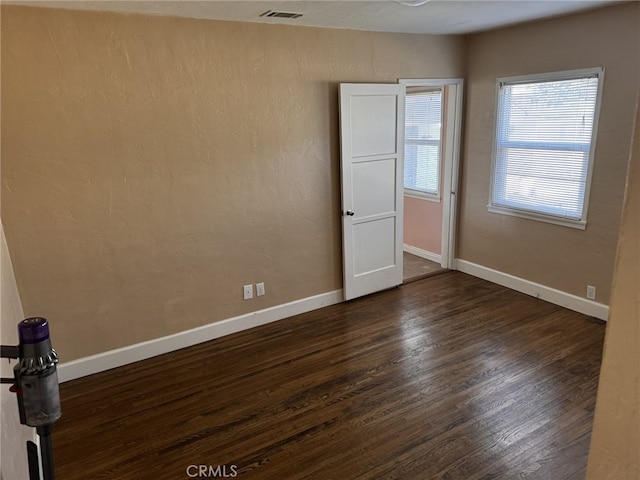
point(615, 441)
point(423, 224)
point(563, 258)
point(152, 166)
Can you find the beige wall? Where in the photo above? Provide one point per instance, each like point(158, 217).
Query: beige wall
point(615, 441)
point(559, 257)
point(13, 435)
point(152, 166)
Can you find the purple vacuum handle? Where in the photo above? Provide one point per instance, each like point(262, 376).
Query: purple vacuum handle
point(33, 330)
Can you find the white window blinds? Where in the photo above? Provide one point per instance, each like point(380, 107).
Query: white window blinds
point(543, 145)
point(423, 125)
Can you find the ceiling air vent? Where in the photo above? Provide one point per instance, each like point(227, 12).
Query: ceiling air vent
point(271, 13)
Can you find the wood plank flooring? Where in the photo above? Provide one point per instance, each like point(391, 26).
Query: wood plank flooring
point(417, 268)
point(450, 377)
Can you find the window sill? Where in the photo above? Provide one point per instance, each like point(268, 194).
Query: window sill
point(577, 224)
point(422, 196)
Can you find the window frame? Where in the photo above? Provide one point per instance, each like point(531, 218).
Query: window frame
point(428, 87)
point(581, 223)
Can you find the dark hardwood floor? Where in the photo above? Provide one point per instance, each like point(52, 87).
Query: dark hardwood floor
point(450, 377)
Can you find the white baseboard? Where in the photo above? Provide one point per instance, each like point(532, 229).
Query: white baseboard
point(141, 351)
point(434, 257)
point(557, 297)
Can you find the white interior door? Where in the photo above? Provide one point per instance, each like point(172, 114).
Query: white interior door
point(372, 155)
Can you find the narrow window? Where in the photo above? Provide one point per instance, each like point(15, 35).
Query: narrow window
point(422, 150)
point(544, 146)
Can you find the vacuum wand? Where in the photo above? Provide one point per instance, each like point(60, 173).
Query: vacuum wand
point(35, 383)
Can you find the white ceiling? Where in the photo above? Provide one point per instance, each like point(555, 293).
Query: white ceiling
point(436, 16)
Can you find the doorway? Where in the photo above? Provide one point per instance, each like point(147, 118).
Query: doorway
point(433, 118)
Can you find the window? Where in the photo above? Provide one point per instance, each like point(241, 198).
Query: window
point(544, 145)
point(423, 125)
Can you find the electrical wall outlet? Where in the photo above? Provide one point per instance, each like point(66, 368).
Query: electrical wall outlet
point(260, 289)
point(247, 292)
point(591, 292)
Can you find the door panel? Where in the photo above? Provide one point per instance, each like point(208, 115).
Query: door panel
point(373, 194)
point(374, 246)
point(372, 152)
point(372, 133)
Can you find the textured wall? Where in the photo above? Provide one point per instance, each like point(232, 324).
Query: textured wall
point(615, 441)
point(563, 258)
point(152, 166)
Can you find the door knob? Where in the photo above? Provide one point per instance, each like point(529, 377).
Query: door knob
point(350, 213)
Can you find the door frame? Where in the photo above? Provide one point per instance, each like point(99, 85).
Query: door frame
point(451, 170)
